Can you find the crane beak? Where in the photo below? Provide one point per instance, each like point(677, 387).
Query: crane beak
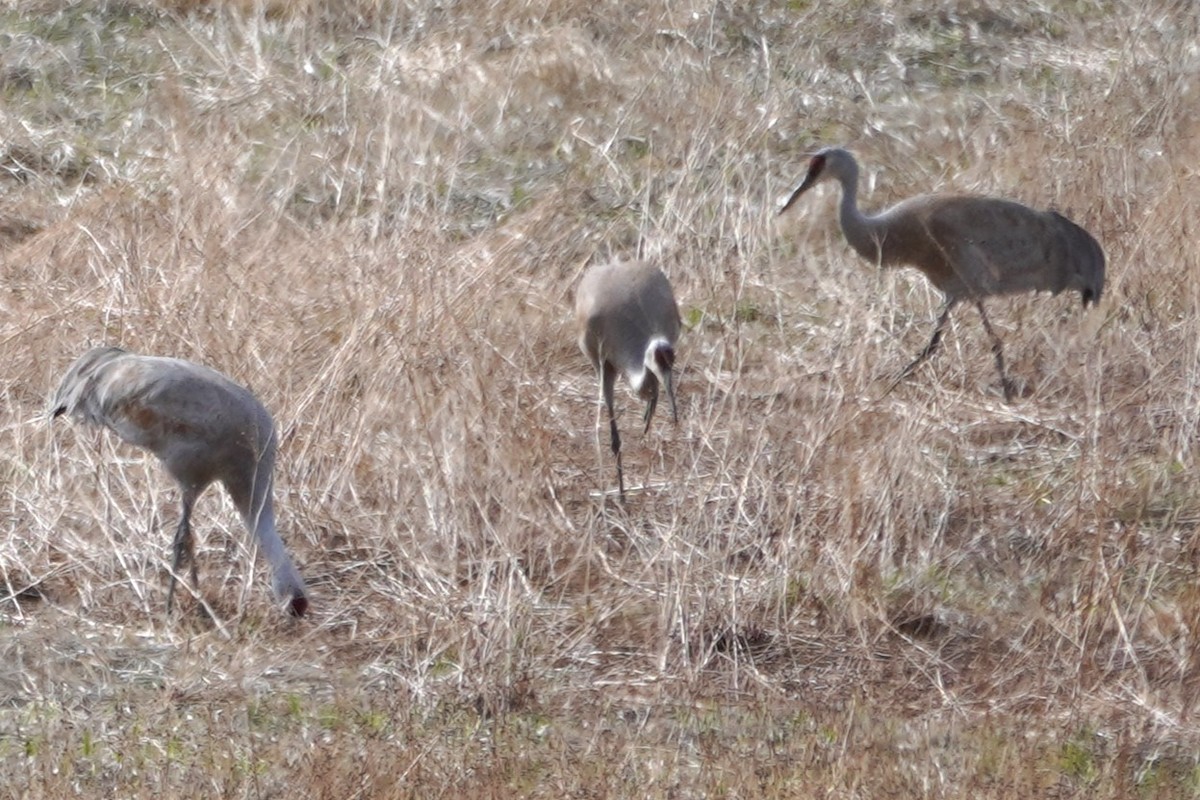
point(651, 404)
point(660, 363)
point(804, 186)
point(816, 166)
point(669, 380)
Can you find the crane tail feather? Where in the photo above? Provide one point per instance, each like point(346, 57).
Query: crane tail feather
point(1085, 261)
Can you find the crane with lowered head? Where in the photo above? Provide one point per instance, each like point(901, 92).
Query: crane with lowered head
point(203, 427)
point(628, 323)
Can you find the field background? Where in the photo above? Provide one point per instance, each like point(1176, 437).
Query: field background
point(374, 214)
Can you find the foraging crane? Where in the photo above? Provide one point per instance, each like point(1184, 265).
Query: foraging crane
point(968, 247)
point(203, 427)
point(628, 322)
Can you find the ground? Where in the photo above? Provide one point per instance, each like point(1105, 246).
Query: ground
point(374, 215)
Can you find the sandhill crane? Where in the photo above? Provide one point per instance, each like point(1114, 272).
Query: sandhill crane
point(628, 322)
point(203, 427)
point(968, 247)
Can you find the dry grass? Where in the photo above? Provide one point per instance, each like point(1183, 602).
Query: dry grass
point(374, 214)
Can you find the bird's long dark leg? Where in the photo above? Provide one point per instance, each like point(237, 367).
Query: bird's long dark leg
point(998, 352)
point(934, 343)
point(608, 381)
point(182, 546)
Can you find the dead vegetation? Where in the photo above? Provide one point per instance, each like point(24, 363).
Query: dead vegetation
point(374, 215)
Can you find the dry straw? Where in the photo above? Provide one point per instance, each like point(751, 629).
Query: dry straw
point(374, 216)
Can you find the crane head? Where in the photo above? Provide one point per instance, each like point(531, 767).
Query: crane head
point(828, 162)
point(816, 167)
point(660, 363)
point(75, 386)
point(297, 606)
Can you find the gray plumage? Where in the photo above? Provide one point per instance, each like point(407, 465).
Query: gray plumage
point(969, 247)
point(628, 323)
point(203, 427)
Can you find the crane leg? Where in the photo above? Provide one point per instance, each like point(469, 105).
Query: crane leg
point(616, 448)
point(182, 547)
point(998, 352)
point(934, 343)
point(608, 380)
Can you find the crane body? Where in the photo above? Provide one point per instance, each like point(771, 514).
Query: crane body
point(628, 324)
point(969, 247)
point(203, 427)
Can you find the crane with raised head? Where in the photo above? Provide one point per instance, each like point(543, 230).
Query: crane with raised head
point(969, 247)
point(628, 323)
point(203, 427)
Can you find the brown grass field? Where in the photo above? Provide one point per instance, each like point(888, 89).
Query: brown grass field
point(374, 214)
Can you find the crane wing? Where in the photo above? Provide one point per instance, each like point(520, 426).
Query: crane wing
point(1001, 247)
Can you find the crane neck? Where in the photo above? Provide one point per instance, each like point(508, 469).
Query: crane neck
point(259, 516)
point(865, 234)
